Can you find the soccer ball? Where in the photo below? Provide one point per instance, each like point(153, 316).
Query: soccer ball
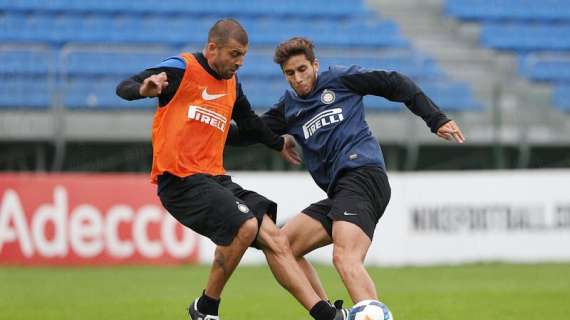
point(370, 310)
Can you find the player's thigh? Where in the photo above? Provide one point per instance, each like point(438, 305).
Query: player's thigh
point(260, 207)
point(350, 242)
point(305, 234)
point(203, 205)
point(360, 197)
point(257, 203)
point(270, 237)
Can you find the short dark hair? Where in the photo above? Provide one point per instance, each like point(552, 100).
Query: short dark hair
point(293, 47)
point(225, 29)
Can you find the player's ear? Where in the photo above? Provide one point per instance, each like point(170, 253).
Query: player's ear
point(316, 65)
point(211, 48)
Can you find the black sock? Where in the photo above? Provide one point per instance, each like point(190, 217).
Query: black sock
point(323, 311)
point(208, 305)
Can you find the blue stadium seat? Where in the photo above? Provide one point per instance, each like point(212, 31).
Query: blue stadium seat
point(239, 9)
point(552, 68)
point(99, 94)
point(179, 30)
point(543, 10)
point(538, 31)
point(451, 95)
point(90, 77)
point(92, 63)
point(524, 38)
point(561, 97)
point(263, 93)
point(27, 62)
point(25, 92)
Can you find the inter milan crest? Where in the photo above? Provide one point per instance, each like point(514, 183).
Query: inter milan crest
point(242, 207)
point(327, 97)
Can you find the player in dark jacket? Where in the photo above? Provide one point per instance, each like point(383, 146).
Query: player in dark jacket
point(325, 114)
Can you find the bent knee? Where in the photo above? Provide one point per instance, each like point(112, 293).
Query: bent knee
point(337, 259)
point(298, 248)
point(343, 260)
point(281, 244)
point(288, 231)
point(292, 241)
point(276, 241)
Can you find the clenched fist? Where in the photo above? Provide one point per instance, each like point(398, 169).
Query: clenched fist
point(153, 85)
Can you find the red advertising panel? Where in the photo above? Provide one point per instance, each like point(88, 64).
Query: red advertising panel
point(86, 219)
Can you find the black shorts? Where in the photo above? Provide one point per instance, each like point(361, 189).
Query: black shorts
point(213, 206)
point(359, 196)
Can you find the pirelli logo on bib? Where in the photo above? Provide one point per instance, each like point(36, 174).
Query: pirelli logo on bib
point(207, 116)
point(322, 119)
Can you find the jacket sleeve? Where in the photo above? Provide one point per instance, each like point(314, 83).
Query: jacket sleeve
point(396, 87)
point(250, 128)
point(272, 119)
point(128, 89)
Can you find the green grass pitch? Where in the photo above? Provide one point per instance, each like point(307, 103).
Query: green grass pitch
point(471, 292)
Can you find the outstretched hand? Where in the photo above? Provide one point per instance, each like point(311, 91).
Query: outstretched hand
point(153, 85)
point(289, 152)
point(449, 131)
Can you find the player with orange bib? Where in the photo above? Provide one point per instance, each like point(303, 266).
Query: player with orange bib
point(198, 95)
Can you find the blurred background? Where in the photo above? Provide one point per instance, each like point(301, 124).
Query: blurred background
point(500, 68)
point(74, 158)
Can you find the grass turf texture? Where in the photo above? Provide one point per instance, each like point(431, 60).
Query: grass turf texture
point(488, 291)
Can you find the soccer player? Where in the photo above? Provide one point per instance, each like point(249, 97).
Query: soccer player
point(198, 95)
point(325, 114)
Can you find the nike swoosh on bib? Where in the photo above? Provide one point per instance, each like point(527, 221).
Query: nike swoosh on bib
point(207, 96)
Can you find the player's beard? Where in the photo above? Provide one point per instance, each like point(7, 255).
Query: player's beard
point(312, 85)
point(223, 72)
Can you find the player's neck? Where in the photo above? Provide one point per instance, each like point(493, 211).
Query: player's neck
point(211, 67)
